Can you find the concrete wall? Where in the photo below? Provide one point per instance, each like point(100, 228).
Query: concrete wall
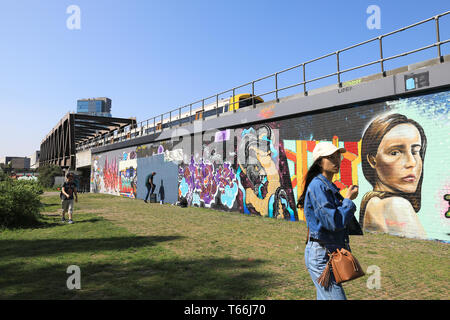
point(165, 180)
point(83, 159)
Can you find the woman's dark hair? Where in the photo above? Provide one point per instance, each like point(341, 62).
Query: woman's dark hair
point(369, 146)
point(313, 171)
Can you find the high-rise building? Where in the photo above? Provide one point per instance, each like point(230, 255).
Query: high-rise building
point(34, 159)
point(95, 107)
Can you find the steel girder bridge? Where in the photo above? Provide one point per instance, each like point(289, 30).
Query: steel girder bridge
point(59, 146)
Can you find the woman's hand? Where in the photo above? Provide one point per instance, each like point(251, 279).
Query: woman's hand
point(352, 192)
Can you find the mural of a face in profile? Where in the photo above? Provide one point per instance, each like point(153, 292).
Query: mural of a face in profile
point(393, 153)
point(261, 187)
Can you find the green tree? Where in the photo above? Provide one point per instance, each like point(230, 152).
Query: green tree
point(3, 175)
point(47, 175)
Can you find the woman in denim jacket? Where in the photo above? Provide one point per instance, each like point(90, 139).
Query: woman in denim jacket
point(327, 216)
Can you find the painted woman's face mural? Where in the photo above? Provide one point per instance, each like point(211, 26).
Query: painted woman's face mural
point(393, 150)
point(398, 163)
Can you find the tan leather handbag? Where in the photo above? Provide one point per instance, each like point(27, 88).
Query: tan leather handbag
point(344, 266)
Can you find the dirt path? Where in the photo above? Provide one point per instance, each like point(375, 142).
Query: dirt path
point(50, 193)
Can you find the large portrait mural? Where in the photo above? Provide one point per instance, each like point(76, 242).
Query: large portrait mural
point(393, 153)
point(397, 152)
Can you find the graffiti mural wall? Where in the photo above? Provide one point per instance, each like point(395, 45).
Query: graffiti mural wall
point(114, 173)
point(208, 178)
point(397, 152)
point(261, 170)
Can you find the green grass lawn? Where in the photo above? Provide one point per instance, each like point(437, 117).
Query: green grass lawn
point(127, 249)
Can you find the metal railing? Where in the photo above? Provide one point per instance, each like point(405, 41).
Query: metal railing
point(150, 126)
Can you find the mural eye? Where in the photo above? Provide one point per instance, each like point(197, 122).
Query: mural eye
point(394, 153)
point(415, 152)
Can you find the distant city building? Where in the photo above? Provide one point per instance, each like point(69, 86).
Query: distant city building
point(34, 160)
point(16, 162)
point(100, 107)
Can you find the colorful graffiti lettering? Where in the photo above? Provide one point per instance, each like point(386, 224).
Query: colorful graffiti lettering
point(110, 175)
point(200, 183)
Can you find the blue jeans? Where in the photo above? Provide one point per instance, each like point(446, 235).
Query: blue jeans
point(316, 259)
point(150, 191)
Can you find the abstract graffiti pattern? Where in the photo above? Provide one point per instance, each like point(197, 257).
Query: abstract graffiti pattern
point(110, 175)
point(299, 156)
point(128, 175)
point(200, 183)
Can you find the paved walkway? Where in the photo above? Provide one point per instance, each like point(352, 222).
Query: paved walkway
point(50, 193)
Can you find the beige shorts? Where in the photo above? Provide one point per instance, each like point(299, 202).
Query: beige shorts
point(67, 205)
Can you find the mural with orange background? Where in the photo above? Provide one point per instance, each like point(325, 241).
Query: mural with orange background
point(299, 158)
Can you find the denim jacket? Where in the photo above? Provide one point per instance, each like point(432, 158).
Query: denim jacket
point(327, 212)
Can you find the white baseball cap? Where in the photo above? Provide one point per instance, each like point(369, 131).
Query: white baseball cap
point(323, 149)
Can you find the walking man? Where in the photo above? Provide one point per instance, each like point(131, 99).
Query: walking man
point(150, 186)
point(68, 190)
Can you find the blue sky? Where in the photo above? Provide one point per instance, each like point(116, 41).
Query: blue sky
point(150, 57)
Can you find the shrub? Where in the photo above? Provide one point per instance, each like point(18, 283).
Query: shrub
point(3, 175)
point(19, 203)
point(34, 186)
point(47, 175)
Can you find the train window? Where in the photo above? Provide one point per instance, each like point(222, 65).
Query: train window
point(225, 107)
point(245, 102)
